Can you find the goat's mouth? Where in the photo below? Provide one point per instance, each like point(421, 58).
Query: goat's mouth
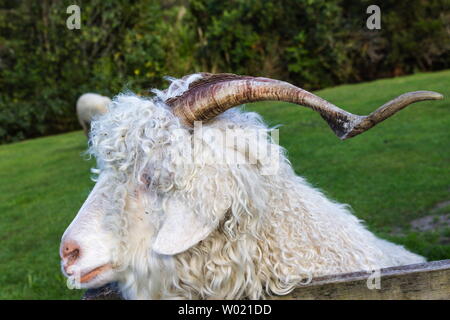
point(92, 274)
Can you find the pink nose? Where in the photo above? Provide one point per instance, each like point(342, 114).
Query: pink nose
point(69, 252)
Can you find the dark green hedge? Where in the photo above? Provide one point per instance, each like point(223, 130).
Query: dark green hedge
point(44, 66)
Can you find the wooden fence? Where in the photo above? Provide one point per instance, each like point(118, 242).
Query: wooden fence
point(429, 280)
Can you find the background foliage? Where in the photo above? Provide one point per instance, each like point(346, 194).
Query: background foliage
point(44, 66)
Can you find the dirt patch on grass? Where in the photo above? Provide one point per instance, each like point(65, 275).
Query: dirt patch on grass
point(441, 205)
point(437, 221)
point(431, 223)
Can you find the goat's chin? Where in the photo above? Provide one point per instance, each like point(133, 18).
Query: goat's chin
point(94, 278)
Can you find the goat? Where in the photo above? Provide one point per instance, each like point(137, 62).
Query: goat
point(174, 215)
point(90, 105)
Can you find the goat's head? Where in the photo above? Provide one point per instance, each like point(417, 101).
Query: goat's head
point(151, 201)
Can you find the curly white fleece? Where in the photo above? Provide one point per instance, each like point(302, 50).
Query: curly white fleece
point(277, 231)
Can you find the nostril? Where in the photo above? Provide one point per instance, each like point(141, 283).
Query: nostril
point(74, 254)
point(71, 251)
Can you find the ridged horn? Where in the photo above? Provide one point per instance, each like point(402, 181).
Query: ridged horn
point(215, 93)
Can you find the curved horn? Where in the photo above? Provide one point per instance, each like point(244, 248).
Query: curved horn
point(215, 93)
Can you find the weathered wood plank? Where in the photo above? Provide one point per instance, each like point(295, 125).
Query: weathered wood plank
point(429, 280)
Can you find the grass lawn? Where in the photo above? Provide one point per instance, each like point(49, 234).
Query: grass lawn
point(392, 175)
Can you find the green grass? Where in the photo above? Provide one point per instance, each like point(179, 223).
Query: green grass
point(390, 175)
point(43, 184)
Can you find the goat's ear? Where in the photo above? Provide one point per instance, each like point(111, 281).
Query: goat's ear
point(181, 229)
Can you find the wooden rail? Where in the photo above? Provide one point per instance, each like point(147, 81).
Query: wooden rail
point(429, 280)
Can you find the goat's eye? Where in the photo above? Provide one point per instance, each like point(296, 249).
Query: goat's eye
point(146, 180)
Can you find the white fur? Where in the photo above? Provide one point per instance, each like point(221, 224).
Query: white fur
point(264, 233)
point(89, 106)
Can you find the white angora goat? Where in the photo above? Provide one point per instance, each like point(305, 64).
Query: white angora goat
point(213, 209)
point(90, 105)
